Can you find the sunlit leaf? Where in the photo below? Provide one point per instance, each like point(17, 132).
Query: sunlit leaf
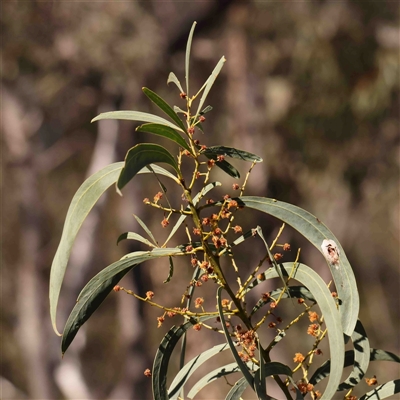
point(196, 199)
point(83, 201)
point(187, 56)
point(136, 116)
point(173, 78)
point(210, 83)
point(384, 391)
point(361, 357)
point(316, 232)
point(316, 285)
point(187, 371)
point(237, 389)
point(144, 226)
point(134, 236)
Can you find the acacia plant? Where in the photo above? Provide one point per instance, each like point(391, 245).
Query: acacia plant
point(213, 240)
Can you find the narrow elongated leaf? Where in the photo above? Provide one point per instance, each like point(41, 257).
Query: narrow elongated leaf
point(260, 376)
point(187, 55)
point(271, 257)
point(163, 356)
point(134, 236)
point(225, 166)
point(197, 273)
point(316, 232)
point(243, 368)
point(165, 131)
point(83, 201)
point(289, 292)
point(136, 116)
point(237, 389)
point(374, 355)
point(196, 199)
point(206, 110)
point(327, 305)
point(211, 377)
point(164, 106)
point(361, 357)
point(141, 155)
point(384, 391)
point(173, 78)
point(98, 288)
point(187, 371)
point(171, 270)
point(144, 226)
point(231, 152)
point(210, 83)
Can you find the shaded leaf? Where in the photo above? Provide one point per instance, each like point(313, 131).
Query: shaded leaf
point(205, 110)
point(83, 201)
point(166, 132)
point(136, 116)
point(231, 152)
point(164, 106)
point(243, 368)
point(163, 356)
point(141, 155)
point(171, 270)
point(98, 288)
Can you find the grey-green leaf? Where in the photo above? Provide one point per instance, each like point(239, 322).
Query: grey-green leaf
point(237, 389)
point(83, 201)
point(134, 236)
point(187, 371)
point(166, 132)
point(164, 106)
point(173, 78)
point(384, 391)
point(243, 367)
point(327, 305)
point(231, 152)
point(136, 116)
point(196, 199)
point(210, 83)
point(98, 288)
point(163, 356)
point(315, 231)
point(187, 56)
point(171, 270)
point(141, 155)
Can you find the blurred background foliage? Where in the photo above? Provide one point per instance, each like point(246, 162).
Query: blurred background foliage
point(312, 87)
